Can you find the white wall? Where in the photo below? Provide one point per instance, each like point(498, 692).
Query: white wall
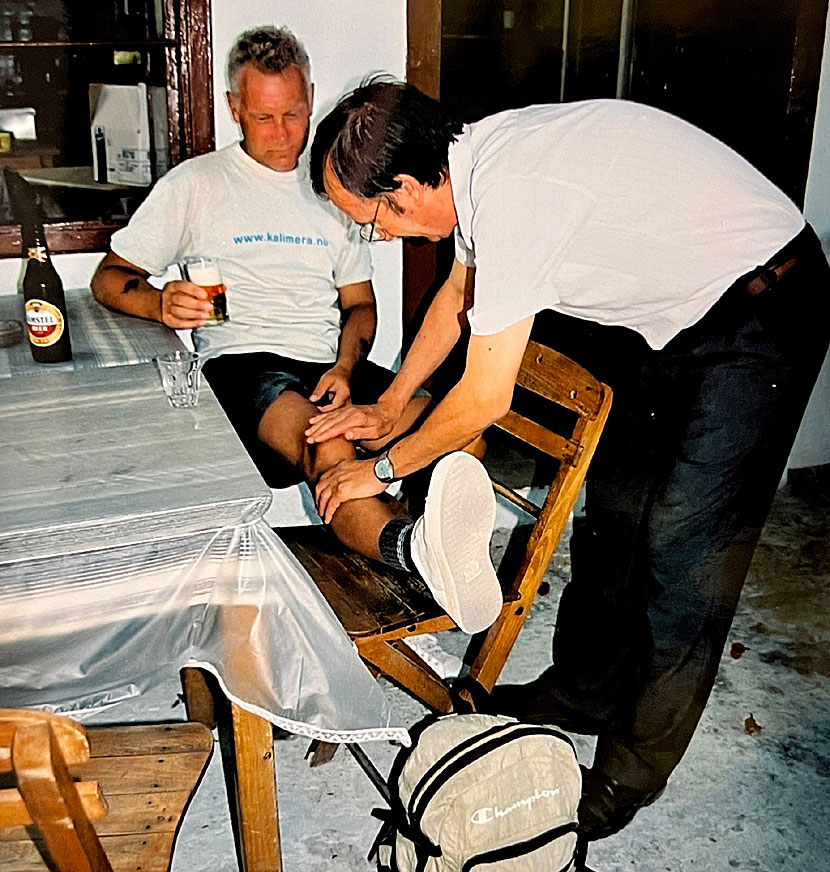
point(812, 447)
point(75, 270)
point(345, 40)
point(817, 201)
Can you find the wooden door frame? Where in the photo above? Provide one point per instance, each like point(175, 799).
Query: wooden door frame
point(803, 98)
point(423, 69)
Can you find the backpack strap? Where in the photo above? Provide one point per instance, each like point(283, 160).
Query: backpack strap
point(385, 836)
point(510, 852)
point(396, 823)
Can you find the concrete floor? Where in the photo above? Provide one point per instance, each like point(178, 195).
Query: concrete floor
point(740, 800)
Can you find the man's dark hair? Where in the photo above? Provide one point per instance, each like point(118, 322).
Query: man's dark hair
point(383, 129)
point(270, 50)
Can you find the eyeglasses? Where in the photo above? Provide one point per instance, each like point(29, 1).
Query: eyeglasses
point(367, 231)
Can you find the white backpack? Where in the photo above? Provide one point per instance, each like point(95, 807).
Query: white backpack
point(482, 791)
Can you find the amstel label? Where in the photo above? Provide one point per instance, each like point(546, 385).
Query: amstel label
point(45, 322)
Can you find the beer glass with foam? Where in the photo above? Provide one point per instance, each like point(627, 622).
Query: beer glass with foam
point(205, 272)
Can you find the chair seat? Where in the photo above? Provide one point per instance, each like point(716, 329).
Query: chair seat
point(368, 597)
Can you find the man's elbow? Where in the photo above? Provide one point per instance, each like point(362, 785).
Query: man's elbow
point(97, 283)
point(499, 408)
point(365, 309)
point(108, 280)
point(490, 404)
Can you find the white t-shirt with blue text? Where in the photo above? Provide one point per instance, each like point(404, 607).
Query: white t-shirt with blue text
point(282, 251)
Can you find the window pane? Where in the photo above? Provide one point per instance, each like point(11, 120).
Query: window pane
point(71, 70)
point(80, 20)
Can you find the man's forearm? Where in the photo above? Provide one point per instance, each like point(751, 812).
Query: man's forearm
point(481, 397)
point(452, 425)
point(126, 290)
point(356, 336)
point(433, 342)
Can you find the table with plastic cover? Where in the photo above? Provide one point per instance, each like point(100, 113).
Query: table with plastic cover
point(132, 545)
point(100, 337)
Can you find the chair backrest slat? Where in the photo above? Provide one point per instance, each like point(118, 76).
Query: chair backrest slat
point(561, 497)
point(13, 811)
point(70, 735)
point(539, 437)
point(558, 378)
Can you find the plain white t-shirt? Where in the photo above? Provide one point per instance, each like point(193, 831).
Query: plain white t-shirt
point(283, 252)
point(610, 211)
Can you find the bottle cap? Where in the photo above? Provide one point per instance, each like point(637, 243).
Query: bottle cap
point(11, 332)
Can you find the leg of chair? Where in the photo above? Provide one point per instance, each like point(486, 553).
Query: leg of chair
point(497, 645)
point(256, 792)
point(371, 771)
point(319, 753)
point(397, 660)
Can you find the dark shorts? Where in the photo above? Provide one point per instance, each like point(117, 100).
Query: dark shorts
point(247, 384)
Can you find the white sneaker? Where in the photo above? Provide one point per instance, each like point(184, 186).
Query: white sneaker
point(451, 542)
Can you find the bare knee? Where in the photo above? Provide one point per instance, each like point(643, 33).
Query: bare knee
point(282, 427)
point(324, 455)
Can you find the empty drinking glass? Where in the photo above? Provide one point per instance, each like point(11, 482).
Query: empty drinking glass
point(180, 371)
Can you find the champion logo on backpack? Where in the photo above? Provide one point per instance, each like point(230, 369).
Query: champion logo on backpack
point(489, 813)
point(460, 801)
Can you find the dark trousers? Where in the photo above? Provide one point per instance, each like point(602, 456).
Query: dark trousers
point(695, 446)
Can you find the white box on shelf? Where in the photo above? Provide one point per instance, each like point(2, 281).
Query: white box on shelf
point(120, 134)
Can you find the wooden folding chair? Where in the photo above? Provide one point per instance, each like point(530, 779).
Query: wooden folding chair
point(381, 608)
point(107, 799)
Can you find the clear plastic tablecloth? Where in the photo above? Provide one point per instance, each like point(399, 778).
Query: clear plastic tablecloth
point(100, 337)
point(132, 544)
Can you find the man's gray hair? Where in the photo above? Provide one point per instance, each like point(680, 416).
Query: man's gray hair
point(270, 50)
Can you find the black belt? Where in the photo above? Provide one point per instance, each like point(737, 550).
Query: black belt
point(763, 277)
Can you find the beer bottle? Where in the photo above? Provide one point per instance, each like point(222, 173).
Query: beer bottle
point(46, 319)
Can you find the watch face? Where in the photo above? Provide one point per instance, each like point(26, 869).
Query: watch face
point(384, 470)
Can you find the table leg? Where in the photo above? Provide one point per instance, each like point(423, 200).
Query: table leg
point(250, 771)
point(198, 697)
point(256, 792)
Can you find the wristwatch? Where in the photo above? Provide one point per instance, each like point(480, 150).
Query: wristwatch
point(384, 471)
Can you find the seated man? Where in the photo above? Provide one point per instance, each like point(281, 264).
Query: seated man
point(302, 319)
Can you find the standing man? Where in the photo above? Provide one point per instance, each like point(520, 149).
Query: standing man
point(302, 320)
point(681, 277)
